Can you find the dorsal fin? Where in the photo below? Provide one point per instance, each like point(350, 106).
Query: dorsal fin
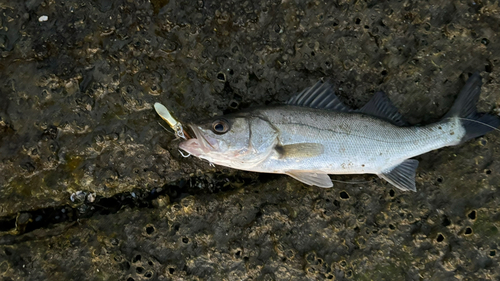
point(321, 95)
point(381, 107)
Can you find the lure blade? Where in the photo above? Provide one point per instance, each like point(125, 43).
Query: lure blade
point(172, 122)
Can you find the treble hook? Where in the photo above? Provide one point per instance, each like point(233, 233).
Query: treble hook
point(184, 155)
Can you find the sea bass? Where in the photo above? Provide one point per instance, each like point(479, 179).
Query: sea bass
point(314, 134)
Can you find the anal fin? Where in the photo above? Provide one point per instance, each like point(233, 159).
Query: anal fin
point(402, 175)
point(311, 178)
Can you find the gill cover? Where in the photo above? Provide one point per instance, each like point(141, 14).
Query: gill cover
point(241, 141)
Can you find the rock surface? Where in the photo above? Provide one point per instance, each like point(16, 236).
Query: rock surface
point(92, 187)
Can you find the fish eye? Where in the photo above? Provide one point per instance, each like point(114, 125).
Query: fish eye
point(220, 126)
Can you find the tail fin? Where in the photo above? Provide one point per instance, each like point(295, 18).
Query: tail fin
point(475, 124)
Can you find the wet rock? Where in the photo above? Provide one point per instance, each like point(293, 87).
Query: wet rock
point(92, 187)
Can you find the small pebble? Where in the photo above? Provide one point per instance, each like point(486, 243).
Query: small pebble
point(91, 197)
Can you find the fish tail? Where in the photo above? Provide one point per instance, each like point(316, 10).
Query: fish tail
point(475, 124)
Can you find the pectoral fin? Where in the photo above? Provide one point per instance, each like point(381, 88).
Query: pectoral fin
point(402, 175)
point(311, 178)
point(299, 150)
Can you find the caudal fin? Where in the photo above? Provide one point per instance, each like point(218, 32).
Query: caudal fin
point(475, 124)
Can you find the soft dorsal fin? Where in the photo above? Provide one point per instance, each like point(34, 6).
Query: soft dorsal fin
point(380, 106)
point(321, 95)
point(402, 175)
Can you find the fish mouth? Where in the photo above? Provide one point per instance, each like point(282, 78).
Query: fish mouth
point(200, 144)
point(207, 141)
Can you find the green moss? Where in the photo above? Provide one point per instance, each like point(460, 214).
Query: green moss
point(50, 180)
point(382, 272)
point(31, 186)
point(484, 226)
point(73, 162)
point(73, 167)
point(387, 271)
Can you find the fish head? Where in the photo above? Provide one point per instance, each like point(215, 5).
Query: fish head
point(238, 141)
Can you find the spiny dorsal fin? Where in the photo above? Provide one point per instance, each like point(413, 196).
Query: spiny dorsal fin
point(321, 95)
point(311, 178)
point(402, 175)
point(380, 106)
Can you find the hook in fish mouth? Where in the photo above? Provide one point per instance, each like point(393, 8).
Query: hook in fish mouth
point(200, 144)
point(199, 135)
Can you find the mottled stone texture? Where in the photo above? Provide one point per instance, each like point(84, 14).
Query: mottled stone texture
point(92, 187)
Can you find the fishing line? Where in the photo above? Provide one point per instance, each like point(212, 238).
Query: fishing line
point(168, 131)
point(351, 182)
point(482, 123)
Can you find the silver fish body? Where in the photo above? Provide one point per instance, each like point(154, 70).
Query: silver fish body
point(351, 143)
point(315, 135)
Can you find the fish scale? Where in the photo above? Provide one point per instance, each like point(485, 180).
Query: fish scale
point(369, 144)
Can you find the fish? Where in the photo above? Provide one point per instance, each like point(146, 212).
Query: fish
point(314, 135)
